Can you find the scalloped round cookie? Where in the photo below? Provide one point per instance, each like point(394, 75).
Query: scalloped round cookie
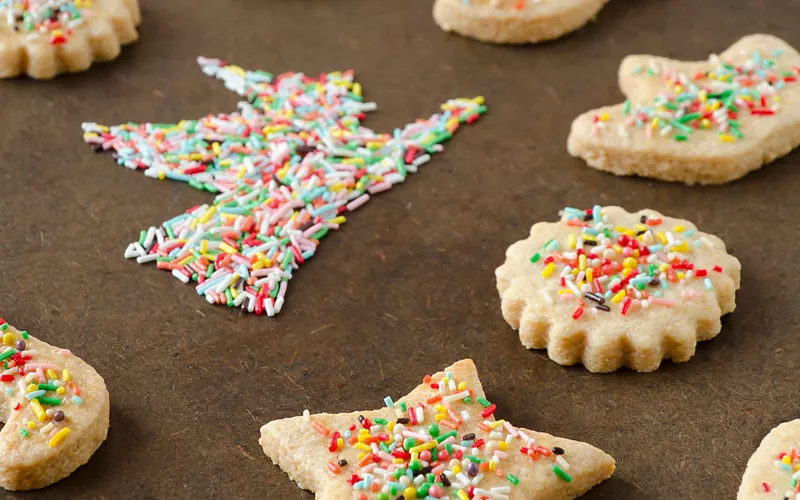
point(611, 289)
point(514, 21)
point(44, 38)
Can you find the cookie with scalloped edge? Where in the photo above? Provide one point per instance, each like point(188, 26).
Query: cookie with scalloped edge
point(514, 21)
point(55, 408)
point(772, 470)
point(708, 122)
point(611, 289)
point(439, 441)
point(43, 38)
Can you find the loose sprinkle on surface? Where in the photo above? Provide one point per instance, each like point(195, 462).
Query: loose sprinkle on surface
point(286, 169)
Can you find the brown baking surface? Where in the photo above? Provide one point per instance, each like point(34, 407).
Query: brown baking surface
point(411, 274)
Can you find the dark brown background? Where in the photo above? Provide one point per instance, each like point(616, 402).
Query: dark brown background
point(407, 286)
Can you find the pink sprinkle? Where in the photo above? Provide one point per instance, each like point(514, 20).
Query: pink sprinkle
point(659, 301)
point(689, 294)
point(65, 353)
point(358, 202)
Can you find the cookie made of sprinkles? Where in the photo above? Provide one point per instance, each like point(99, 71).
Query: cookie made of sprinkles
point(44, 38)
point(707, 122)
point(514, 21)
point(773, 472)
point(443, 440)
point(285, 170)
point(611, 289)
point(55, 408)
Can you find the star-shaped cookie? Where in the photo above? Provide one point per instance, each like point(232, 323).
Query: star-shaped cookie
point(706, 122)
point(440, 441)
point(514, 21)
point(772, 472)
point(43, 38)
point(609, 288)
point(55, 408)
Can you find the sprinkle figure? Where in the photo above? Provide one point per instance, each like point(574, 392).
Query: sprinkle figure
point(286, 169)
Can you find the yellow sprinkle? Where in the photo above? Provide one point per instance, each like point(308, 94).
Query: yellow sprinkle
point(51, 374)
point(461, 495)
point(582, 262)
point(680, 275)
point(65, 375)
point(9, 338)
point(663, 268)
point(629, 262)
point(362, 446)
point(679, 229)
point(361, 455)
point(31, 424)
point(502, 445)
point(61, 390)
point(496, 424)
point(548, 270)
point(398, 461)
point(357, 88)
point(38, 410)
point(491, 465)
point(786, 459)
point(409, 493)
point(628, 271)
point(589, 275)
point(456, 469)
point(705, 123)
point(681, 247)
point(58, 437)
point(209, 213)
point(618, 297)
point(440, 408)
point(439, 417)
point(427, 446)
point(204, 246)
point(258, 265)
point(574, 272)
point(162, 176)
point(661, 238)
point(390, 426)
point(478, 100)
point(563, 291)
point(31, 388)
point(678, 89)
point(338, 220)
point(604, 117)
point(462, 385)
point(234, 293)
point(227, 248)
point(726, 138)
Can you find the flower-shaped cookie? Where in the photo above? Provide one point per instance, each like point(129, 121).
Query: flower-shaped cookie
point(42, 38)
point(706, 122)
point(439, 441)
point(608, 288)
point(514, 21)
point(772, 472)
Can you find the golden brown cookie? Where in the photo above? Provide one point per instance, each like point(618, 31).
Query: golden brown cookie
point(608, 288)
point(55, 408)
point(43, 38)
point(440, 440)
point(706, 122)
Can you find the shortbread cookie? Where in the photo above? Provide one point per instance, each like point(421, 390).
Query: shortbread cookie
point(514, 21)
point(706, 122)
point(439, 441)
point(55, 408)
point(772, 472)
point(608, 288)
point(42, 38)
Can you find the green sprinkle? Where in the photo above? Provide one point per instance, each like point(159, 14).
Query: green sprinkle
point(626, 108)
point(50, 401)
point(560, 473)
point(681, 138)
point(47, 387)
point(23, 433)
point(512, 479)
point(536, 257)
point(483, 402)
point(446, 435)
point(381, 421)
point(403, 406)
point(7, 354)
point(24, 334)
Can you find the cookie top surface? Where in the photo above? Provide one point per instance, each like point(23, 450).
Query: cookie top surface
point(721, 106)
point(772, 470)
point(51, 19)
point(49, 400)
point(617, 277)
point(441, 440)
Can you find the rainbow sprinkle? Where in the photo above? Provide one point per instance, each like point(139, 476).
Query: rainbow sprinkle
point(429, 451)
point(286, 169)
point(712, 100)
point(54, 17)
point(621, 269)
point(45, 387)
point(789, 463)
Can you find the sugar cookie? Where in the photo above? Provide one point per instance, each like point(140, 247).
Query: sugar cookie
point(55, 408)
point(514, 21)
point(440, 440)
point(42, 38)
point(607, 288)
point(771, 473)
point(706, 122)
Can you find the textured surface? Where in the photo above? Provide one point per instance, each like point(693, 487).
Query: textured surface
point(413, 272)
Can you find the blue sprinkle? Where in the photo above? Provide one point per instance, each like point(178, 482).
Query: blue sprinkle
point(78, 401)
point(388, 401)
point(708, 284)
